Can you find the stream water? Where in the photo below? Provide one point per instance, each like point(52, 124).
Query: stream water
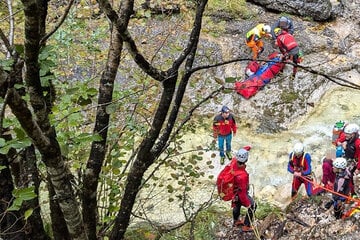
point(268, 159)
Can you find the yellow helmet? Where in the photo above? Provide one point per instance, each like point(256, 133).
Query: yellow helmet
point(277, 31)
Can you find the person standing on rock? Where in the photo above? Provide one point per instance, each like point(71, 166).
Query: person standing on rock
point(328, 175)
point(300, 166)
point(224, 127)
point(342, 186)
point(288, 47)
point(254, 39)
point(241, 194)
point(351, 147)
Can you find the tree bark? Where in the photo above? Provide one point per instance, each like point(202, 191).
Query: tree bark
point(98, 149)
point(40, 130)
point(11, 225)
point(148, 150)
point(30, 177)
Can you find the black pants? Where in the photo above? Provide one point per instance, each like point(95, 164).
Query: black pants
point(249, 218)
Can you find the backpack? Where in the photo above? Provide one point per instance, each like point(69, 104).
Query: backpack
point(225, 181)
point(287, 41)
point(337, 129)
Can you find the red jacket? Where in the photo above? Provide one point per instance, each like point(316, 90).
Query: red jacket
point(328, 174)
point(222, 126)
point(341, 138)
point(241, 185)
point(286, 42)
point(357, 152)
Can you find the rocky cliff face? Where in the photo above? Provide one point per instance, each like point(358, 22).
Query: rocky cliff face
point(331, 49)
point(319, 10)
point(331, 57)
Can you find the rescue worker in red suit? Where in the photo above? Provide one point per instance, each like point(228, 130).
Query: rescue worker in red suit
point(241, 195)
point(300, 166)
point(288, 47)
point(224, 127)
point(352, 151)
point(352, 145)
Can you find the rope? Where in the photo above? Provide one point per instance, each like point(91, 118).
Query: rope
point(352, 210)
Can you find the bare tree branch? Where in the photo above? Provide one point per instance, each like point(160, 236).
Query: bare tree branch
point(6, 42)
point(125, 35)
point(57, 26)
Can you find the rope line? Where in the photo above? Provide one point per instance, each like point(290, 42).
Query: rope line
point(352, 210)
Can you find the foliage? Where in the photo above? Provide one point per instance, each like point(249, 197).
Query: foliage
point(21, 195)
point(205, 226)
point(289, 96)
point(234, 9)
point(265, 208)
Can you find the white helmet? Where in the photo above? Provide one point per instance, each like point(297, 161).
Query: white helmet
point(351, 128)
point(242, 155)
point(340, 163)
point(267, 28)
point(298, 148)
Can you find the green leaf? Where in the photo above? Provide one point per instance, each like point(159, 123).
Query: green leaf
point(24, 193)
point(2, 167)
point(19, 48)
point(111, 108)
point(6, 64)
point(230, 79)
point(2, 142)
point(28, 213)
point(16, 205)
point(20, 133)
point(15, 143)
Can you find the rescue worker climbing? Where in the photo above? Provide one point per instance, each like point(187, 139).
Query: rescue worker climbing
point(224, 127)
point(284, 23)
point(241, 195)
point(300, 166)
point(288, 47)
point(254, 39)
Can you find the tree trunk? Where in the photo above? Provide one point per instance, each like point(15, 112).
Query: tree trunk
point(11, 225)
point(98, 149)
point(30, 177)
point(60, 231)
